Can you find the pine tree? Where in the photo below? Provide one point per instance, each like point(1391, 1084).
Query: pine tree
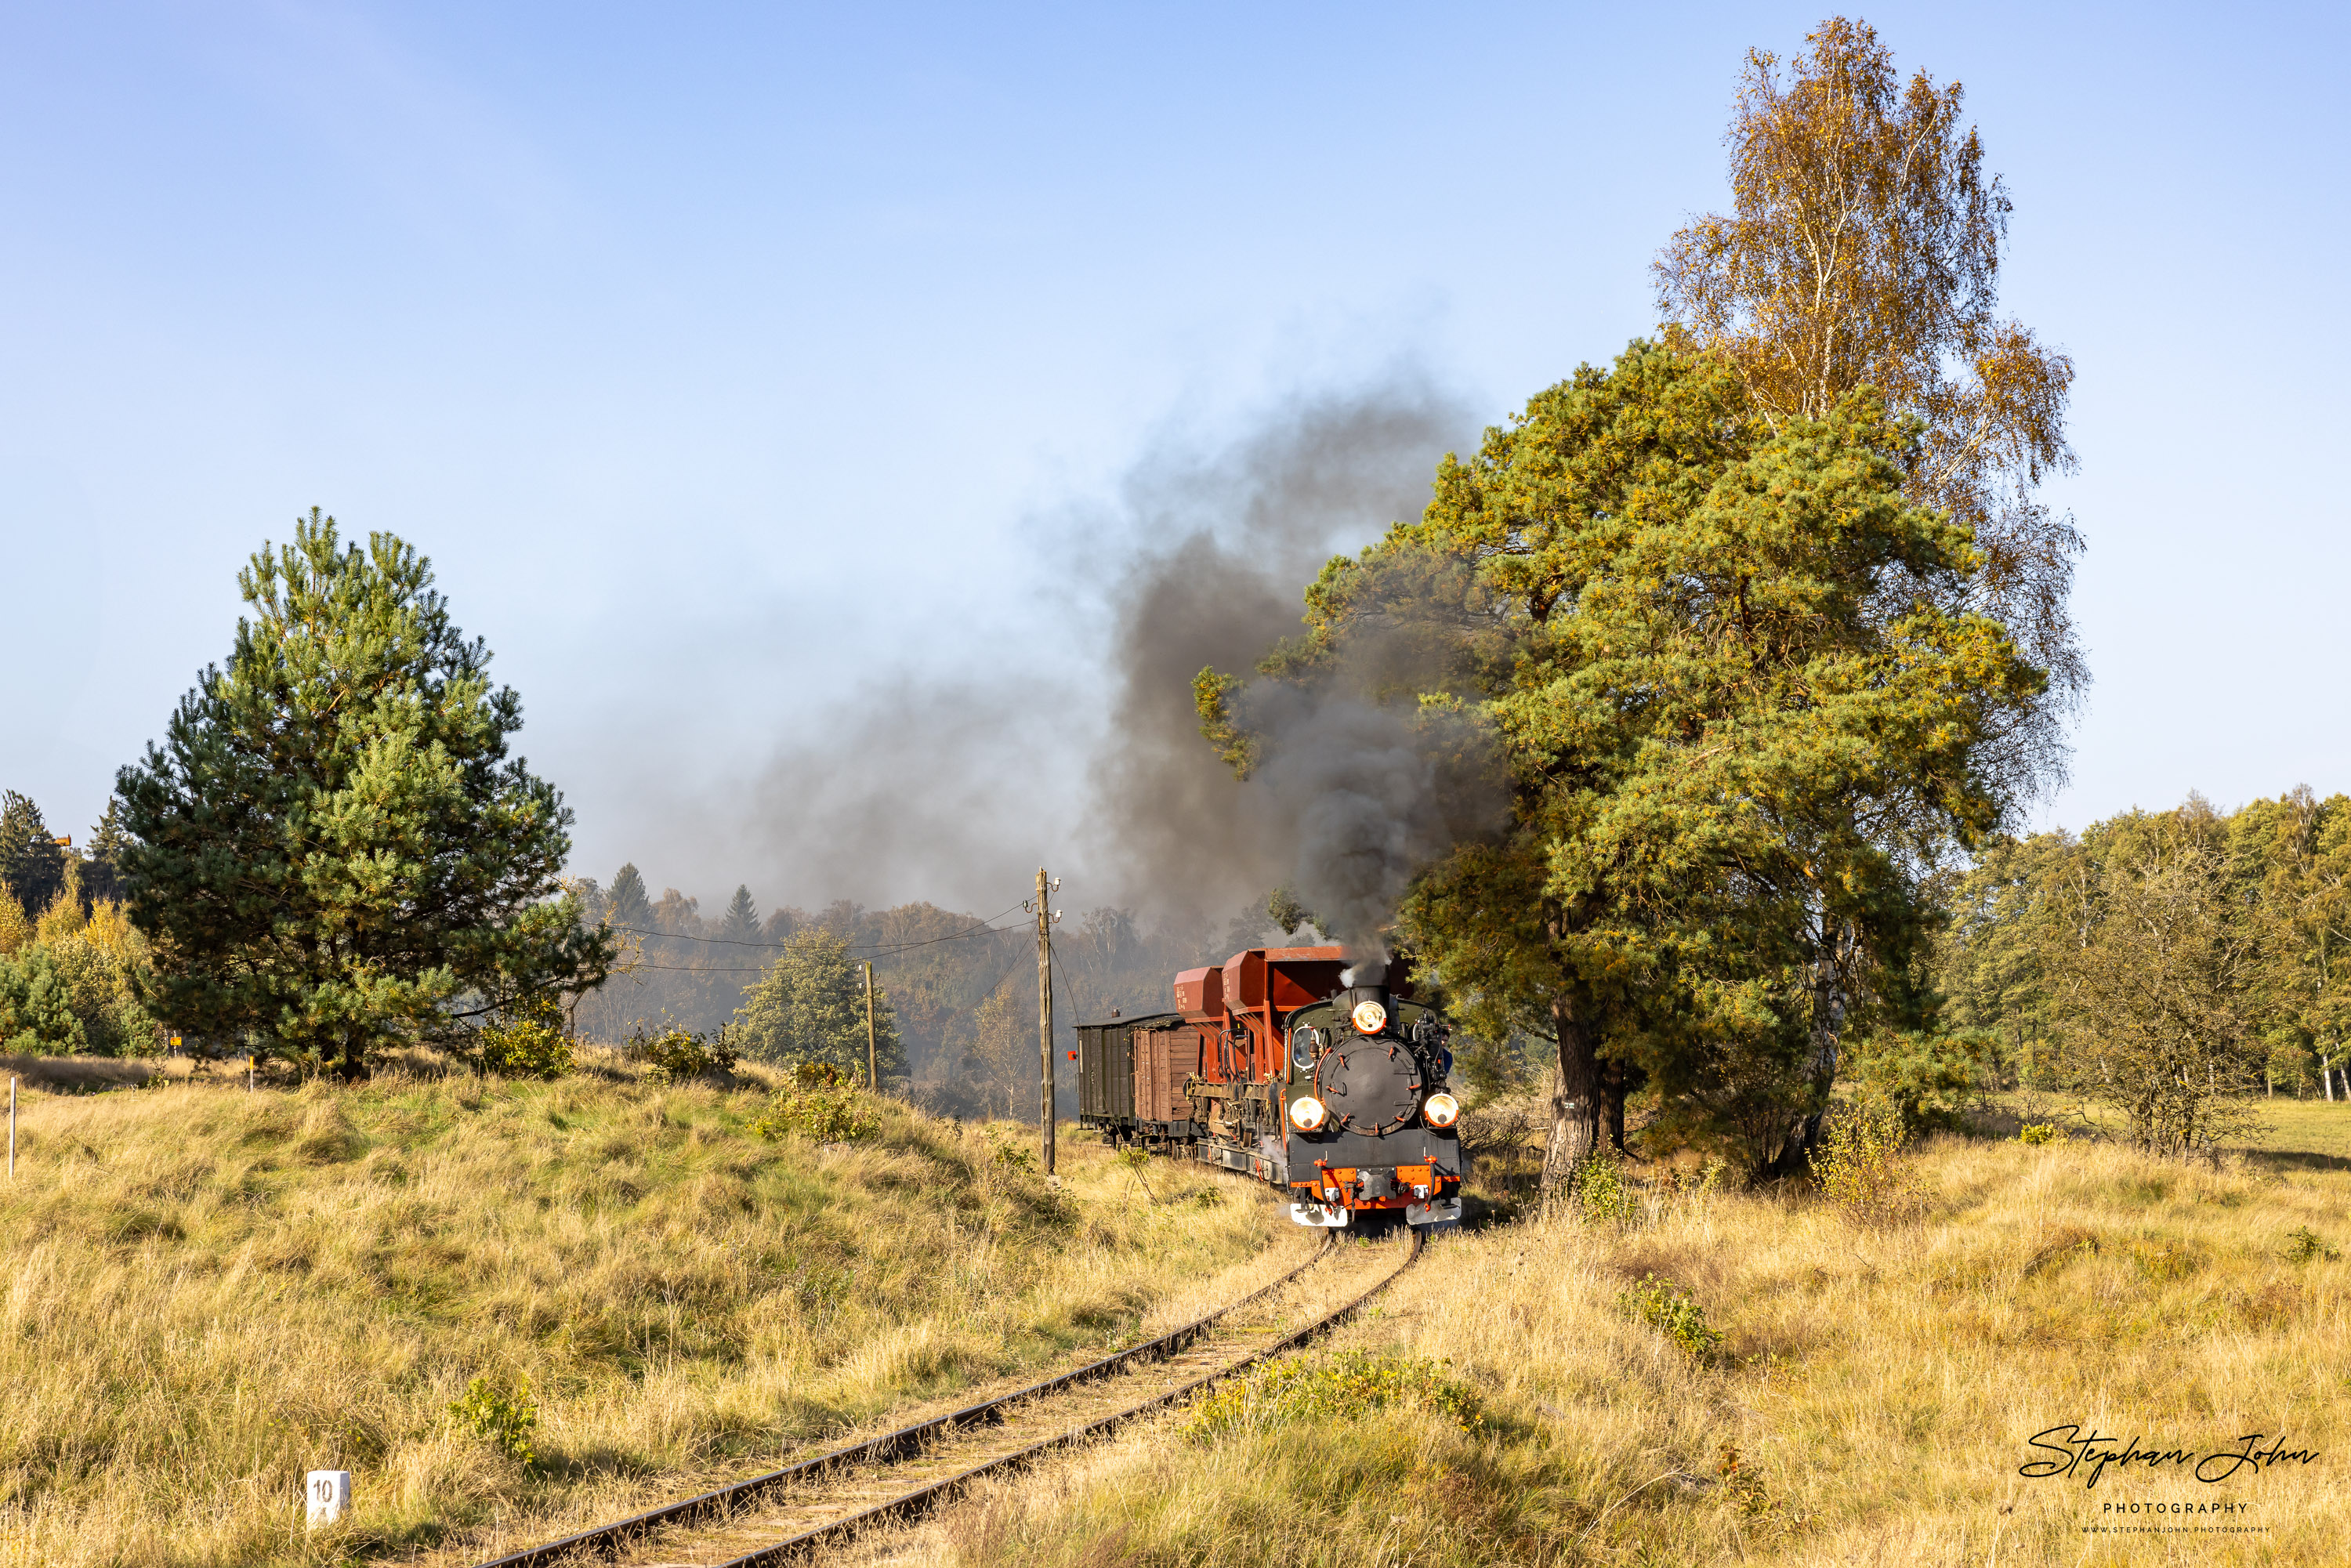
point(740, 923)
point(101, 872)
point(32, 864)
point(331, 851)
point(626, 906)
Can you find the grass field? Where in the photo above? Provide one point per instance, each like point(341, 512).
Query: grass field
point(205, 1292)
point(1871, 1398)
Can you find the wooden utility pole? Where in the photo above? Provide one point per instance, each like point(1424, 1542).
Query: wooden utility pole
point(873, 1056)
point(1045, 1014)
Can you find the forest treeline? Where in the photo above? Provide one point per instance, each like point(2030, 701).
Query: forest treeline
point(957, 990)
point(2171, 963)
point(2175, 964)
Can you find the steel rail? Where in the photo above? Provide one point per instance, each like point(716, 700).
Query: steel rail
point(919, 1500)
point(607, 1540)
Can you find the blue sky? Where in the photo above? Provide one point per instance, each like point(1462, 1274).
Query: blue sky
point(744, 367)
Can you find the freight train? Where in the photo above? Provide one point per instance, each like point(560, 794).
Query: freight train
point(1280, 1065)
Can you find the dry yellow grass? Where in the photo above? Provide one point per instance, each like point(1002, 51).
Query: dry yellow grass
point(205, 1292)
point(1878, 1389)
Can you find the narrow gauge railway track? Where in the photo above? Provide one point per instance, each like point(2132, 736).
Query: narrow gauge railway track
point(787, 1515)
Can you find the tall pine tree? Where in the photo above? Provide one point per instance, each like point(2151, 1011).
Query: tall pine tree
point(102, 872)
point(331, 851)
point(740, 923)
point(626, 905)
point(32, 864)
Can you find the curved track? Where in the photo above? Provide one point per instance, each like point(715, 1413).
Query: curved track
point(787, 1515)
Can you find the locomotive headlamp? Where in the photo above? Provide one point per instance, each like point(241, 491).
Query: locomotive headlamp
point(1307, 1114)
point(1442, 1109)
point(1370, 1017)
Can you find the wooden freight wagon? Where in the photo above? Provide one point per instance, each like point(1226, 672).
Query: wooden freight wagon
point(1167, 1055)
point(1131, 1076)
point(1106, 1074)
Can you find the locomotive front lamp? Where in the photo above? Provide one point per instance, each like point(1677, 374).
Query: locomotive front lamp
point(1442, 1109)
point(1307, 1114)
point(1369, 1018)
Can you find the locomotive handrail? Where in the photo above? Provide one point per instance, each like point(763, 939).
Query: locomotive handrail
point(607, 1538)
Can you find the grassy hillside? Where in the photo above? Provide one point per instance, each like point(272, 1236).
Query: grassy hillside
point(1870, 1400)
point(205, 1292)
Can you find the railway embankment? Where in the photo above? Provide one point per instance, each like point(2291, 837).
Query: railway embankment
point(523, 1306)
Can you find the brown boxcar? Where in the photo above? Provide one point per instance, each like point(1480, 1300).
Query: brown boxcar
point(1165, 1059)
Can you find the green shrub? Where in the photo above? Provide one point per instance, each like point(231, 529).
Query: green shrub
point(1599, 1194)
point(676, 1056)
point(522, 1048)
point(500, 1413)
point(1674, 1313)
point(818, 1106)
point(1340, 1386)
point(2037, 1132)
point(1009, 1151)
point(2303, 1244)
point(37, 1016)
point(1860, 1163)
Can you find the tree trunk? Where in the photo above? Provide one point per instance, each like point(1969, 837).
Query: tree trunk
point(1612, 1102)
point(1821, 1069)
point(1575, 1096)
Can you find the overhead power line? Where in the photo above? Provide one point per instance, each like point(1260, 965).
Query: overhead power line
point(875, 948)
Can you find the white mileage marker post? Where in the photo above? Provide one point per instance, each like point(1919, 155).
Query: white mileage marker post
point(329, 1493)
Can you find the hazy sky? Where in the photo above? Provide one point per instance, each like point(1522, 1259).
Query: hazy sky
point(754, 374)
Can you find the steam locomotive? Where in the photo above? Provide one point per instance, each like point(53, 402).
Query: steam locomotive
point(1286, 1064)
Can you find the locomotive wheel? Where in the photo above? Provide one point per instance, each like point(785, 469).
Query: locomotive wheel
point(1370, 1085)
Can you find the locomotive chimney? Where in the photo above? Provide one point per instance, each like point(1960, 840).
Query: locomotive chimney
point(1365, 982)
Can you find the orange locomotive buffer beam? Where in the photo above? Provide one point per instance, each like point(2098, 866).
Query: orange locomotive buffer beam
point(1284, 1064)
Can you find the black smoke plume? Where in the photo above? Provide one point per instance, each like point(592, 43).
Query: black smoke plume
point(1349, 805)
point(955, 785)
